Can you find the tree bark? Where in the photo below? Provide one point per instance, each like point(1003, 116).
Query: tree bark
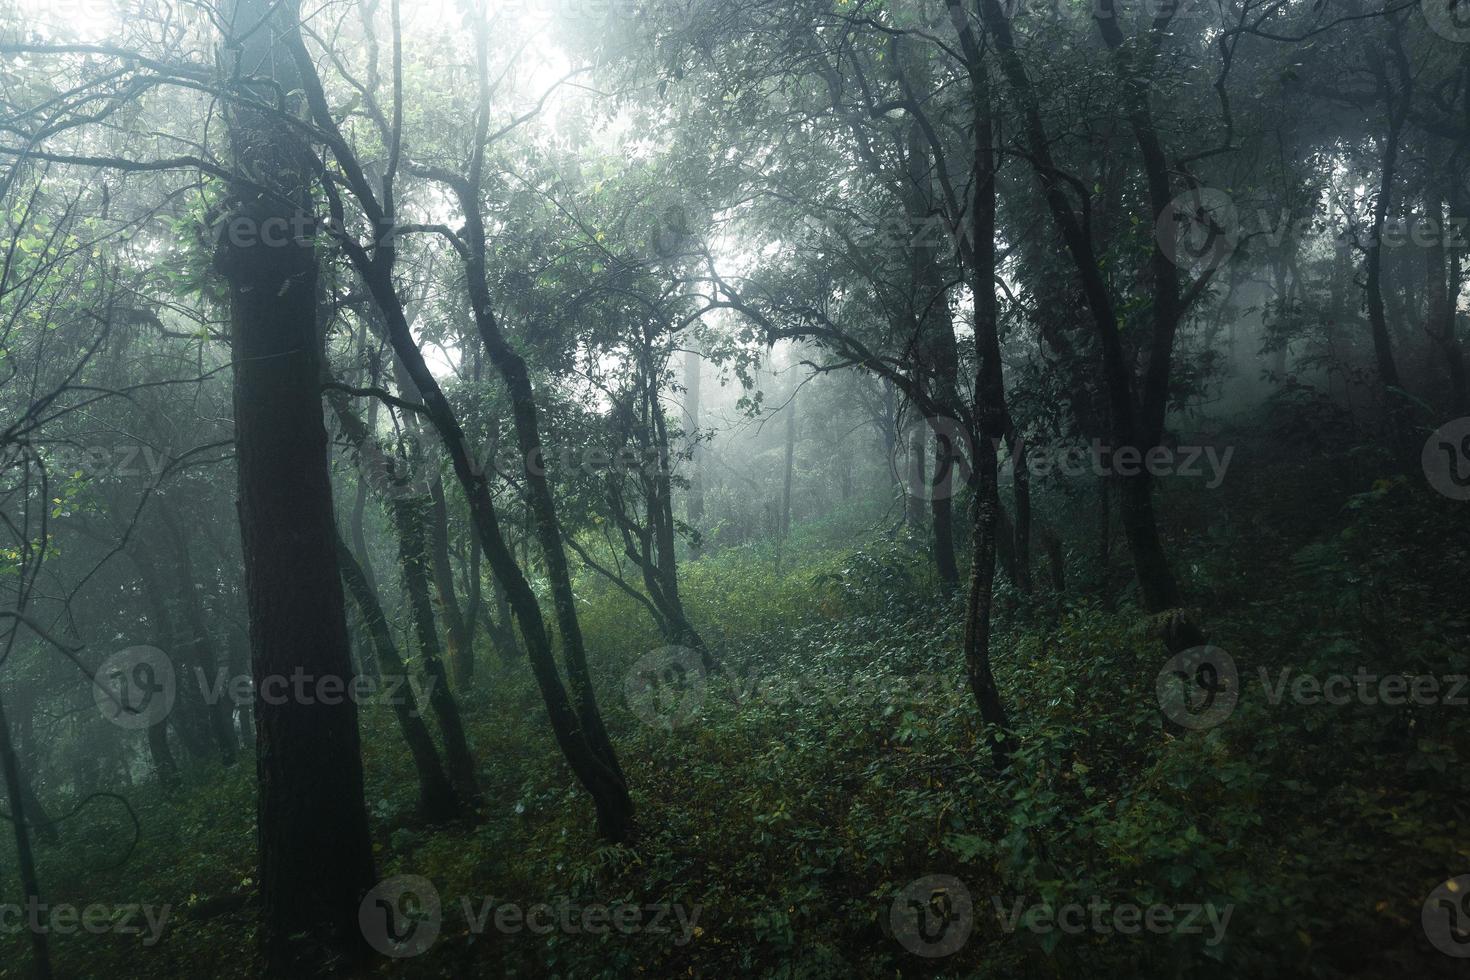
point(437, 799)
point(25, 860)
point(315, 849)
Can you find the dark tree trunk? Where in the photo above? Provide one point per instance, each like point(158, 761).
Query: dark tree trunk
point(1395, 402)
point(312, 830)
point(456, 631)
point(1156, 581)
point(1441, 289)
point(409, 516)
point(437, 799)
point(409, 510)
point(29, 883)
point(694, 501)
point(575, 720)
point(202, 655)
point(918, 451)
point(790, 466)
point(990, 405)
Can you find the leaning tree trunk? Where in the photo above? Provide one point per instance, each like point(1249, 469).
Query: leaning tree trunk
point(409, 518)
point(437, 799)
point(575, 720)
point(408, 509)
point(315, 849)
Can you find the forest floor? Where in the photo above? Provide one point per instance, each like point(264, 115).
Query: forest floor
point(786, 805)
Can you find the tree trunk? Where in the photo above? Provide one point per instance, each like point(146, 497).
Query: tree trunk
point(437, 800)
point(1395, 404)
point(1442, 289)
point(410, 513)
point(790, 466)
point(200, 642)
point(694, 500)
point(409, 516)
point(25, 861)
point(461, 655)
point(917, 476)
point(315, 849)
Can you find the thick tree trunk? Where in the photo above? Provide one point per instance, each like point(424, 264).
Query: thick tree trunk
point(312, 830)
